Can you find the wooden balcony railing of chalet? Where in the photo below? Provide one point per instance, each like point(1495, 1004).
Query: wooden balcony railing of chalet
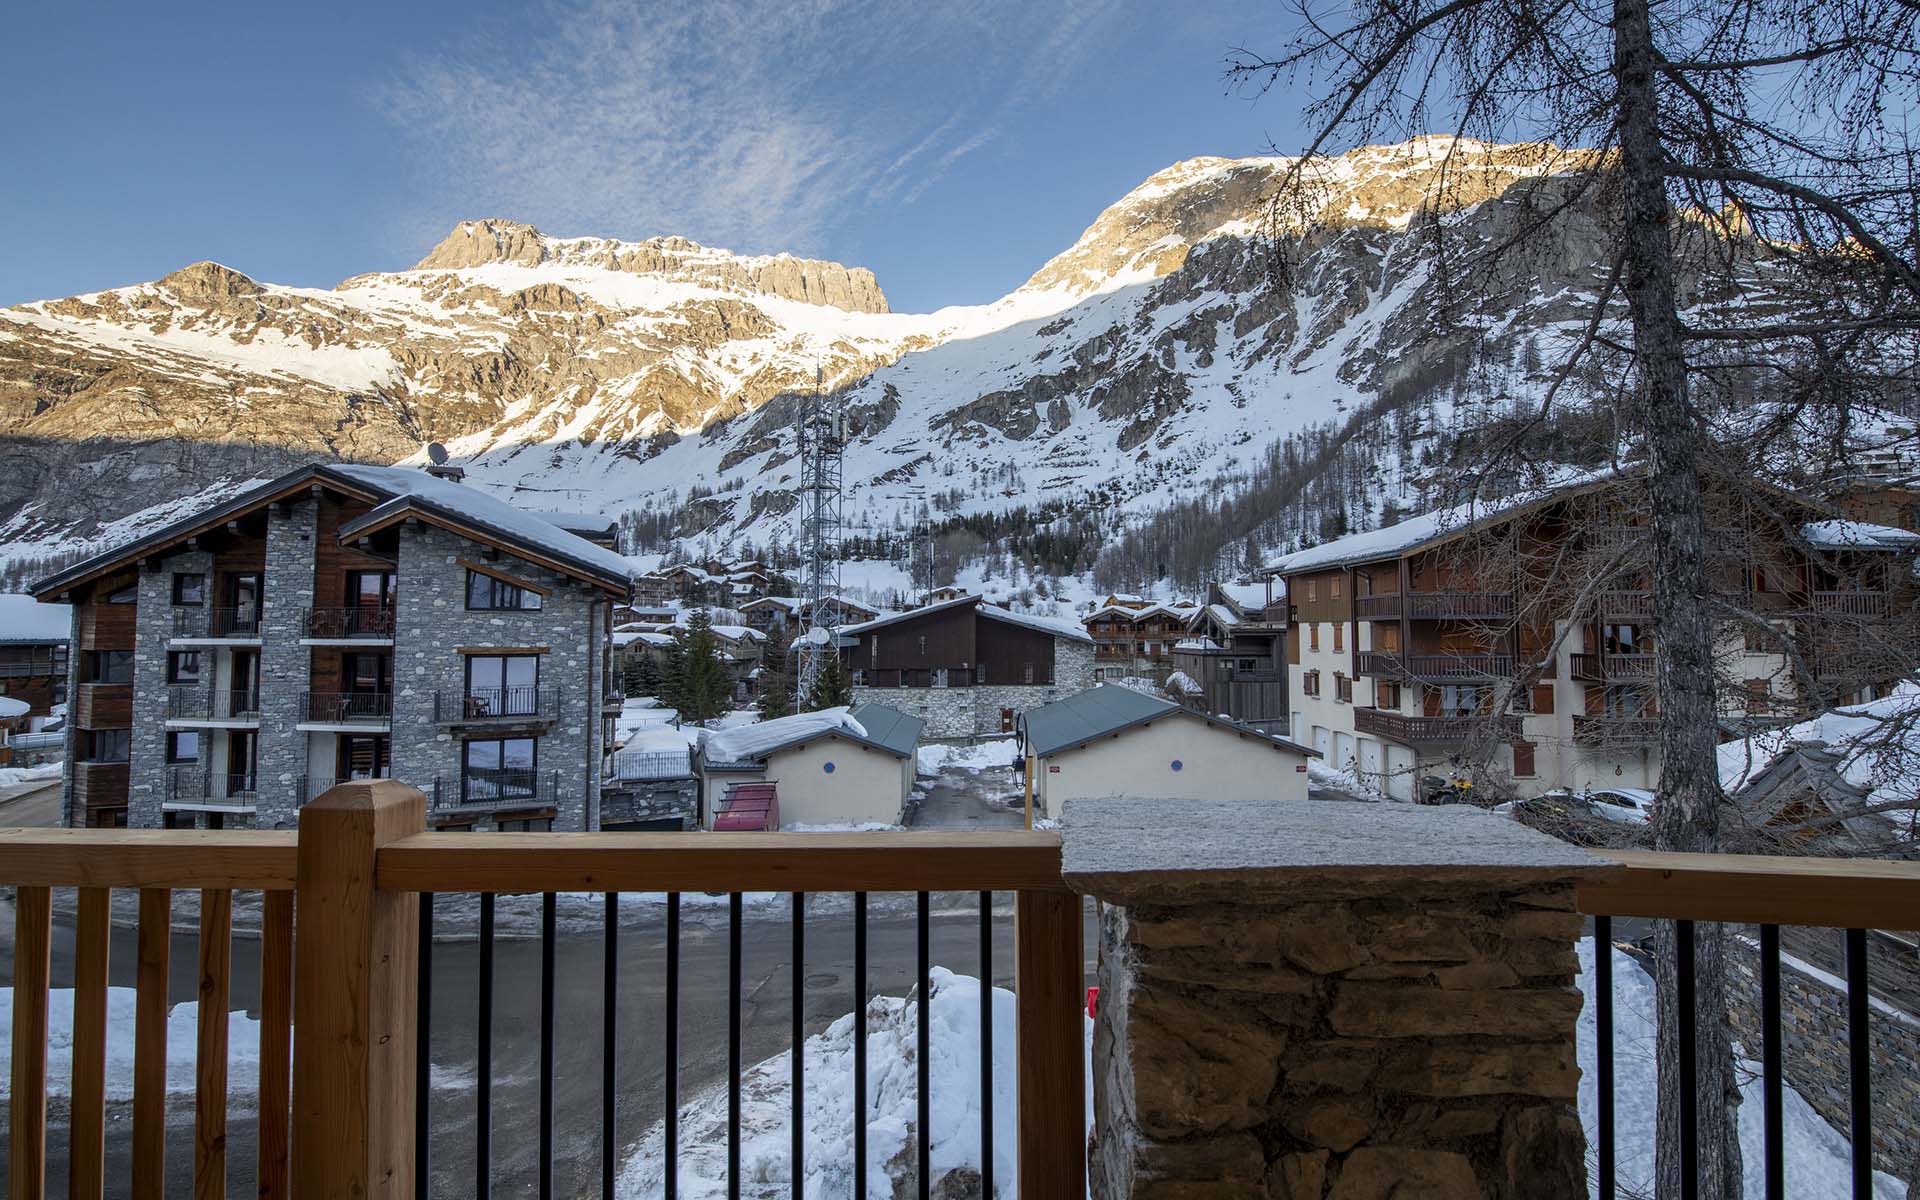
point(1853, 604)
point(32, 661)
point(96, 783)
point(1599, 668)
point(1389, 665)
point(345, 1110)
point(355, 622)
point(1415, 731)
point(1434, 606)
point(1615, 731)
point(1626, 605)
point(103, 706)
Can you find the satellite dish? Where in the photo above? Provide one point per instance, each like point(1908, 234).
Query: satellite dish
point(436, 454)
point(817, 636)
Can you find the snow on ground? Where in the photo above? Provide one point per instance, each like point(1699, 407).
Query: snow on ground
point(14, 776)
point(892, 1102)
point(1323, 774)
point(999, 752)
point(1817, 1156)
point(243, 1046)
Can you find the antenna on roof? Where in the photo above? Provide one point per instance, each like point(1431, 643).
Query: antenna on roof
point(437, 454)
point(438, 467)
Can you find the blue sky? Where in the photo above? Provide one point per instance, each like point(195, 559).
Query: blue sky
point(952, 150)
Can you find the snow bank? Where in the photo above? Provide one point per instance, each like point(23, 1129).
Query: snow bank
point(1817, 1156)
point(183, 1023)
point(747, 743)
point(14, 776)
point(892, 1103)
point(999, 752)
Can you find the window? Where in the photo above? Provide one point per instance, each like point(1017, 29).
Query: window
point(108, 745)
point(485, 591)
point(1461, 701)
point(109, 666)
point(498, 769)
point(363, 758)
point(526, 825)
point(364, 674)
point(374, 589)
point(1026, 672)
point(126, 595)
point(183, 746)
point(1523, 760)
point(1334, 587)
point(503, 685)
point(1313, 590)
point(1339, 631)
point(1310, 683)
point(923, 643)
point(1313, 636)
point(1387, 696)
point(183, 666)
point(980, 674)
point(1543, 699)
point(1342, 689)
point(189, 590)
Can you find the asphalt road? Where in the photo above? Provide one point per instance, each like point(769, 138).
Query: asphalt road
point(766, 1014)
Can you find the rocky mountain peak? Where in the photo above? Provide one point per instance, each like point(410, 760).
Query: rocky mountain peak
point(810, 281)
point(209, 283)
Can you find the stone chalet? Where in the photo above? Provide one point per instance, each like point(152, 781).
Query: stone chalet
point(965, 667)
point(343, 622)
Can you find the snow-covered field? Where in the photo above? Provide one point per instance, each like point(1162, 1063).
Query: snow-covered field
point(999, 752)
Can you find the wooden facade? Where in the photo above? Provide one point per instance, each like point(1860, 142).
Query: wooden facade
point(951, 646)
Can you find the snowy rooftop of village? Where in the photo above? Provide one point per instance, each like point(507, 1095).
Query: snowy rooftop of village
point(24, 619)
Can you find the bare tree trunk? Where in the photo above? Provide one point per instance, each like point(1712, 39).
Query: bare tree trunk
point(1687, 816)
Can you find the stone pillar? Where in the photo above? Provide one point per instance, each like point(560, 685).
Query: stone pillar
point(1330, 1001)
point(286, 666)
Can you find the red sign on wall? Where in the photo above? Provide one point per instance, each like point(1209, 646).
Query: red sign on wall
point(1053, 770)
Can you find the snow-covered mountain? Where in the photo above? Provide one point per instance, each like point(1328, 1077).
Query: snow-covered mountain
point(1138, 366)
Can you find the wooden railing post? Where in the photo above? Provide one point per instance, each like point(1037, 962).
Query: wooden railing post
point(355, 956)
point(1049, 969)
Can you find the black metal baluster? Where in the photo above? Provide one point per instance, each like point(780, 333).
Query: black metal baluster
point(733, 1046)
point(1859, 1064)
point(1771, 1079)
point(547, 938)
point(860, 1045)
point(1603, 1048)
point(798, 1123)
point(423, 1055)
point(609, 1043)
point(986, 1045)
point(670, 1130)
point(1689, 1067)
point(923, 1049)
point(483, 1088)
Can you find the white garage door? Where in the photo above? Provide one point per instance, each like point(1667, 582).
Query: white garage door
point(1323, 742)
point(1343, 751)
point(1370, 761)
point(1400, 765)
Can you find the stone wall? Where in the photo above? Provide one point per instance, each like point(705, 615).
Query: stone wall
point(286, 666)
point(1813, 1050)
point(1308, 1003)
point(148, 772)
point(432, 622)
point(964, 713)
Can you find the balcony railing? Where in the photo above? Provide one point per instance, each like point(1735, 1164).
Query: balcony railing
point(1435, 606)
point(1630, 605)
point(351, 623)
point(1389, 665)
point(347, 708)
point(497, 789)
point(1598, 668)
point(99, 785)
point(240, 623)
point(1414, 731)
point(1615, 731)
point(197, 702)
point(33, 661)
point(1853, 604)
point(193, 785)
point(477, 706)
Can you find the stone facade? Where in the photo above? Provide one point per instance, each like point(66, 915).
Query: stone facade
point(1345, 1025)
point(964, 713)
point(432, 624)
point(153, 626)
point(1814, 1052)
point(285, 664)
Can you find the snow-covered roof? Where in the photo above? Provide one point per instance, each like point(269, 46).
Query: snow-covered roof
point(1182, 682)
point(12, 709)
point(790, 603)
point(1877, 744)
point(1223, 614)
point(24, 619)
point(1058, 626)
point(1199, 643)
point(1102, 711)
point(591, 526)
point(745, 744)
point(1414, 532)
point(1253, 596)
point(739, 633)
point(1857, 535)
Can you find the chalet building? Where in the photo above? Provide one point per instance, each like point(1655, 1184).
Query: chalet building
point(1134, 637)
point(835, 767)
point(789, 614)
point(342, 622)
point(941, 595)
point(1233, 661)
point(1115, 741)
point(34, 642)
point(1399, 639)
point(965, 667)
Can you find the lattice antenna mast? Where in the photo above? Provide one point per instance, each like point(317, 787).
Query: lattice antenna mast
point(821, 433)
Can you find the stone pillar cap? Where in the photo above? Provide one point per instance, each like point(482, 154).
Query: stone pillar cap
point(1142, 849)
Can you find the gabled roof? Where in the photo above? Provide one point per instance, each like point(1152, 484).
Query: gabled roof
point(891, 732)
point(889, 728)
point(397, 493)
point(1057, 626)
point(1103, 711)
point(26, 621)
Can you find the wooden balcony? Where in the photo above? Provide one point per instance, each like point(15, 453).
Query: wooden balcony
point(1635, 732)
point(1435, 606)
point(1603, 668)
point(104, 706)
point(1435, 667)
point(1626, 605)
point(345, 1110)
point(1852, 604)
point(1425, 731)
point(99, 785)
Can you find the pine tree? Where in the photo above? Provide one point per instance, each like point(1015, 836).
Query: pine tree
point(673, 677)
point(831, 687)
point(643, 677)
point(705, 690)
point(776, 682)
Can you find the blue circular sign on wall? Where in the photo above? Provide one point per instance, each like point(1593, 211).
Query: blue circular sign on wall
point(827, 767)
point(1176, 764)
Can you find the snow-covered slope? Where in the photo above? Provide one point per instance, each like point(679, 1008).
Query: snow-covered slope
point(1136, 367)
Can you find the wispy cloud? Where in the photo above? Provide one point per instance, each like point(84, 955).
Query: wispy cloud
point(752, 124)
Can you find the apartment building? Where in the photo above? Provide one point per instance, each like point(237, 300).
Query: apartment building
point(34, 644)
point(1400, 639)
point(1232, 661)
point(1132, 636)
point(342, 622)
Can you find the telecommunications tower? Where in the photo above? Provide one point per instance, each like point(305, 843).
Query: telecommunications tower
point(821, 433)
